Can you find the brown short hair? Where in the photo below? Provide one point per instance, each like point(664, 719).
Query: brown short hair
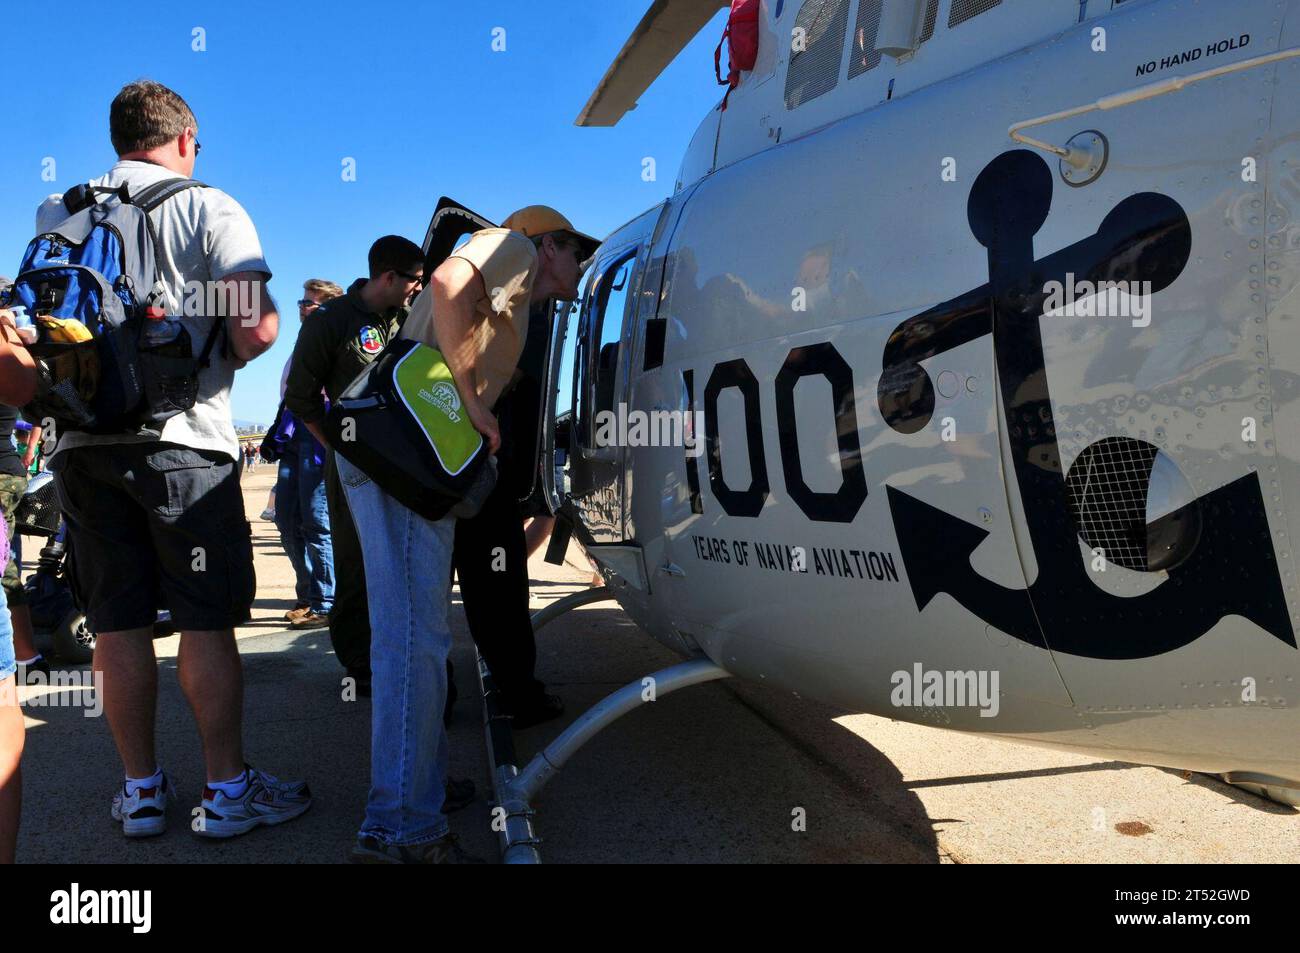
point(326, 289)
point(145, 115)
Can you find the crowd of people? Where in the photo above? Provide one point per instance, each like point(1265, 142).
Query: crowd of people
point(137, 505)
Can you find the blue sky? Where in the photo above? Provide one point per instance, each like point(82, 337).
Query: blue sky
point(413, 92)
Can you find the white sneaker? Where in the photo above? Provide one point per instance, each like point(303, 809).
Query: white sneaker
point(144, 813)
point(267, 801)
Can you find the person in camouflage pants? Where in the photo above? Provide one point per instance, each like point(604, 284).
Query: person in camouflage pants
point(13, 481)
point(11, 491)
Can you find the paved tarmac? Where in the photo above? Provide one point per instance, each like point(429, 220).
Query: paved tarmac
point(716, 773)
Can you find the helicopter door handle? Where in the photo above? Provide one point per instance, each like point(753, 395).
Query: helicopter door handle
point(672, 569)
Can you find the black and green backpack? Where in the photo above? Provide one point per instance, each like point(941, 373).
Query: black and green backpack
point(402, 423)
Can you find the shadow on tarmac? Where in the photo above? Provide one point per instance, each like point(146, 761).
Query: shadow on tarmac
point(704, 775)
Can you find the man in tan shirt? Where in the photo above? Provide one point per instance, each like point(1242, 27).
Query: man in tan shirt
point(478, 301)
point(474, 310)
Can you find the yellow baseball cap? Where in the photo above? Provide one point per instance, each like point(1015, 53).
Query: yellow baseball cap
point(534, 220)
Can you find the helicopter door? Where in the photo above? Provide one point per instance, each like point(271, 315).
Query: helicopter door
point(450, 223)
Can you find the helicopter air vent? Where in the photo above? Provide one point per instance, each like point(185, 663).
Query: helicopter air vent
point(963, 10)
point(931, 15)
point(864, 56)
point(1131, 501)
point(818, 43)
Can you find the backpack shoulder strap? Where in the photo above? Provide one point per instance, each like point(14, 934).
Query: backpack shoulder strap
point(158, 193)
point(149, 200)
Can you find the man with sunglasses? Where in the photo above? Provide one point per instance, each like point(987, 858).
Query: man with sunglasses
point(476, 311)
point(491, 552)
point(140, 505)
point(302, 515)
point(342, 336)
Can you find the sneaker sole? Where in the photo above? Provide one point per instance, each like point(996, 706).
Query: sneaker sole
point(221, 830)
point(360, 855)
point(144, 827)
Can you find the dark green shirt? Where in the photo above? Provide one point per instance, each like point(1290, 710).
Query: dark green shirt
point(335, 344)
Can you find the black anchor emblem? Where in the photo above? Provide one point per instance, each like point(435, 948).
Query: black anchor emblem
point(1231, 569)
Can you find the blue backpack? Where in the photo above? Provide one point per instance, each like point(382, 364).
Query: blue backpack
point(109, 359)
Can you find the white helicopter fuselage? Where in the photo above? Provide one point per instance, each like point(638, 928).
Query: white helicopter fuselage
point(912, 462)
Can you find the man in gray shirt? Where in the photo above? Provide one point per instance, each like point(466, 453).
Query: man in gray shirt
point(157, 518)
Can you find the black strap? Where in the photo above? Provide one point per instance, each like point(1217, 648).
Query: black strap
point(218, 324)
point(561, 532)
point(154, 196)
point(160, 192)
point(147, 201)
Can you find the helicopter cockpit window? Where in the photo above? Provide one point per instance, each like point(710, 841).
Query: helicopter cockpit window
point(963, 10)
point(599, 342)
point(863, 55)
point(816, 46)
point(608, 333)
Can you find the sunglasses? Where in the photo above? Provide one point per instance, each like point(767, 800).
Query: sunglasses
point(308, 303)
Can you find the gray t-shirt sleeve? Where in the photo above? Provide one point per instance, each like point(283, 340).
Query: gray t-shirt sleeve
point(230, 241)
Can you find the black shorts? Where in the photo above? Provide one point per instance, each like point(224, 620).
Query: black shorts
point(156, 525)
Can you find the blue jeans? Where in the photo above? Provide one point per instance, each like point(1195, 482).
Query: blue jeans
point(408, 581)
point(8, 664)
point(302, 515)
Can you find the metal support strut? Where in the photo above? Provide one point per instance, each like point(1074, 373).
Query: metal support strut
point(512, 818)
point(560, 606)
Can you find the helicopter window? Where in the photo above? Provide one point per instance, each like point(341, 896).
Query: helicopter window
point(599, 340)
point(609, 331)
point(817, 41)
point(963, 10)
point(864, 56)
point(566, 380)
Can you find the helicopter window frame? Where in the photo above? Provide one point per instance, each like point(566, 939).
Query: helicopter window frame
point(591, 326)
